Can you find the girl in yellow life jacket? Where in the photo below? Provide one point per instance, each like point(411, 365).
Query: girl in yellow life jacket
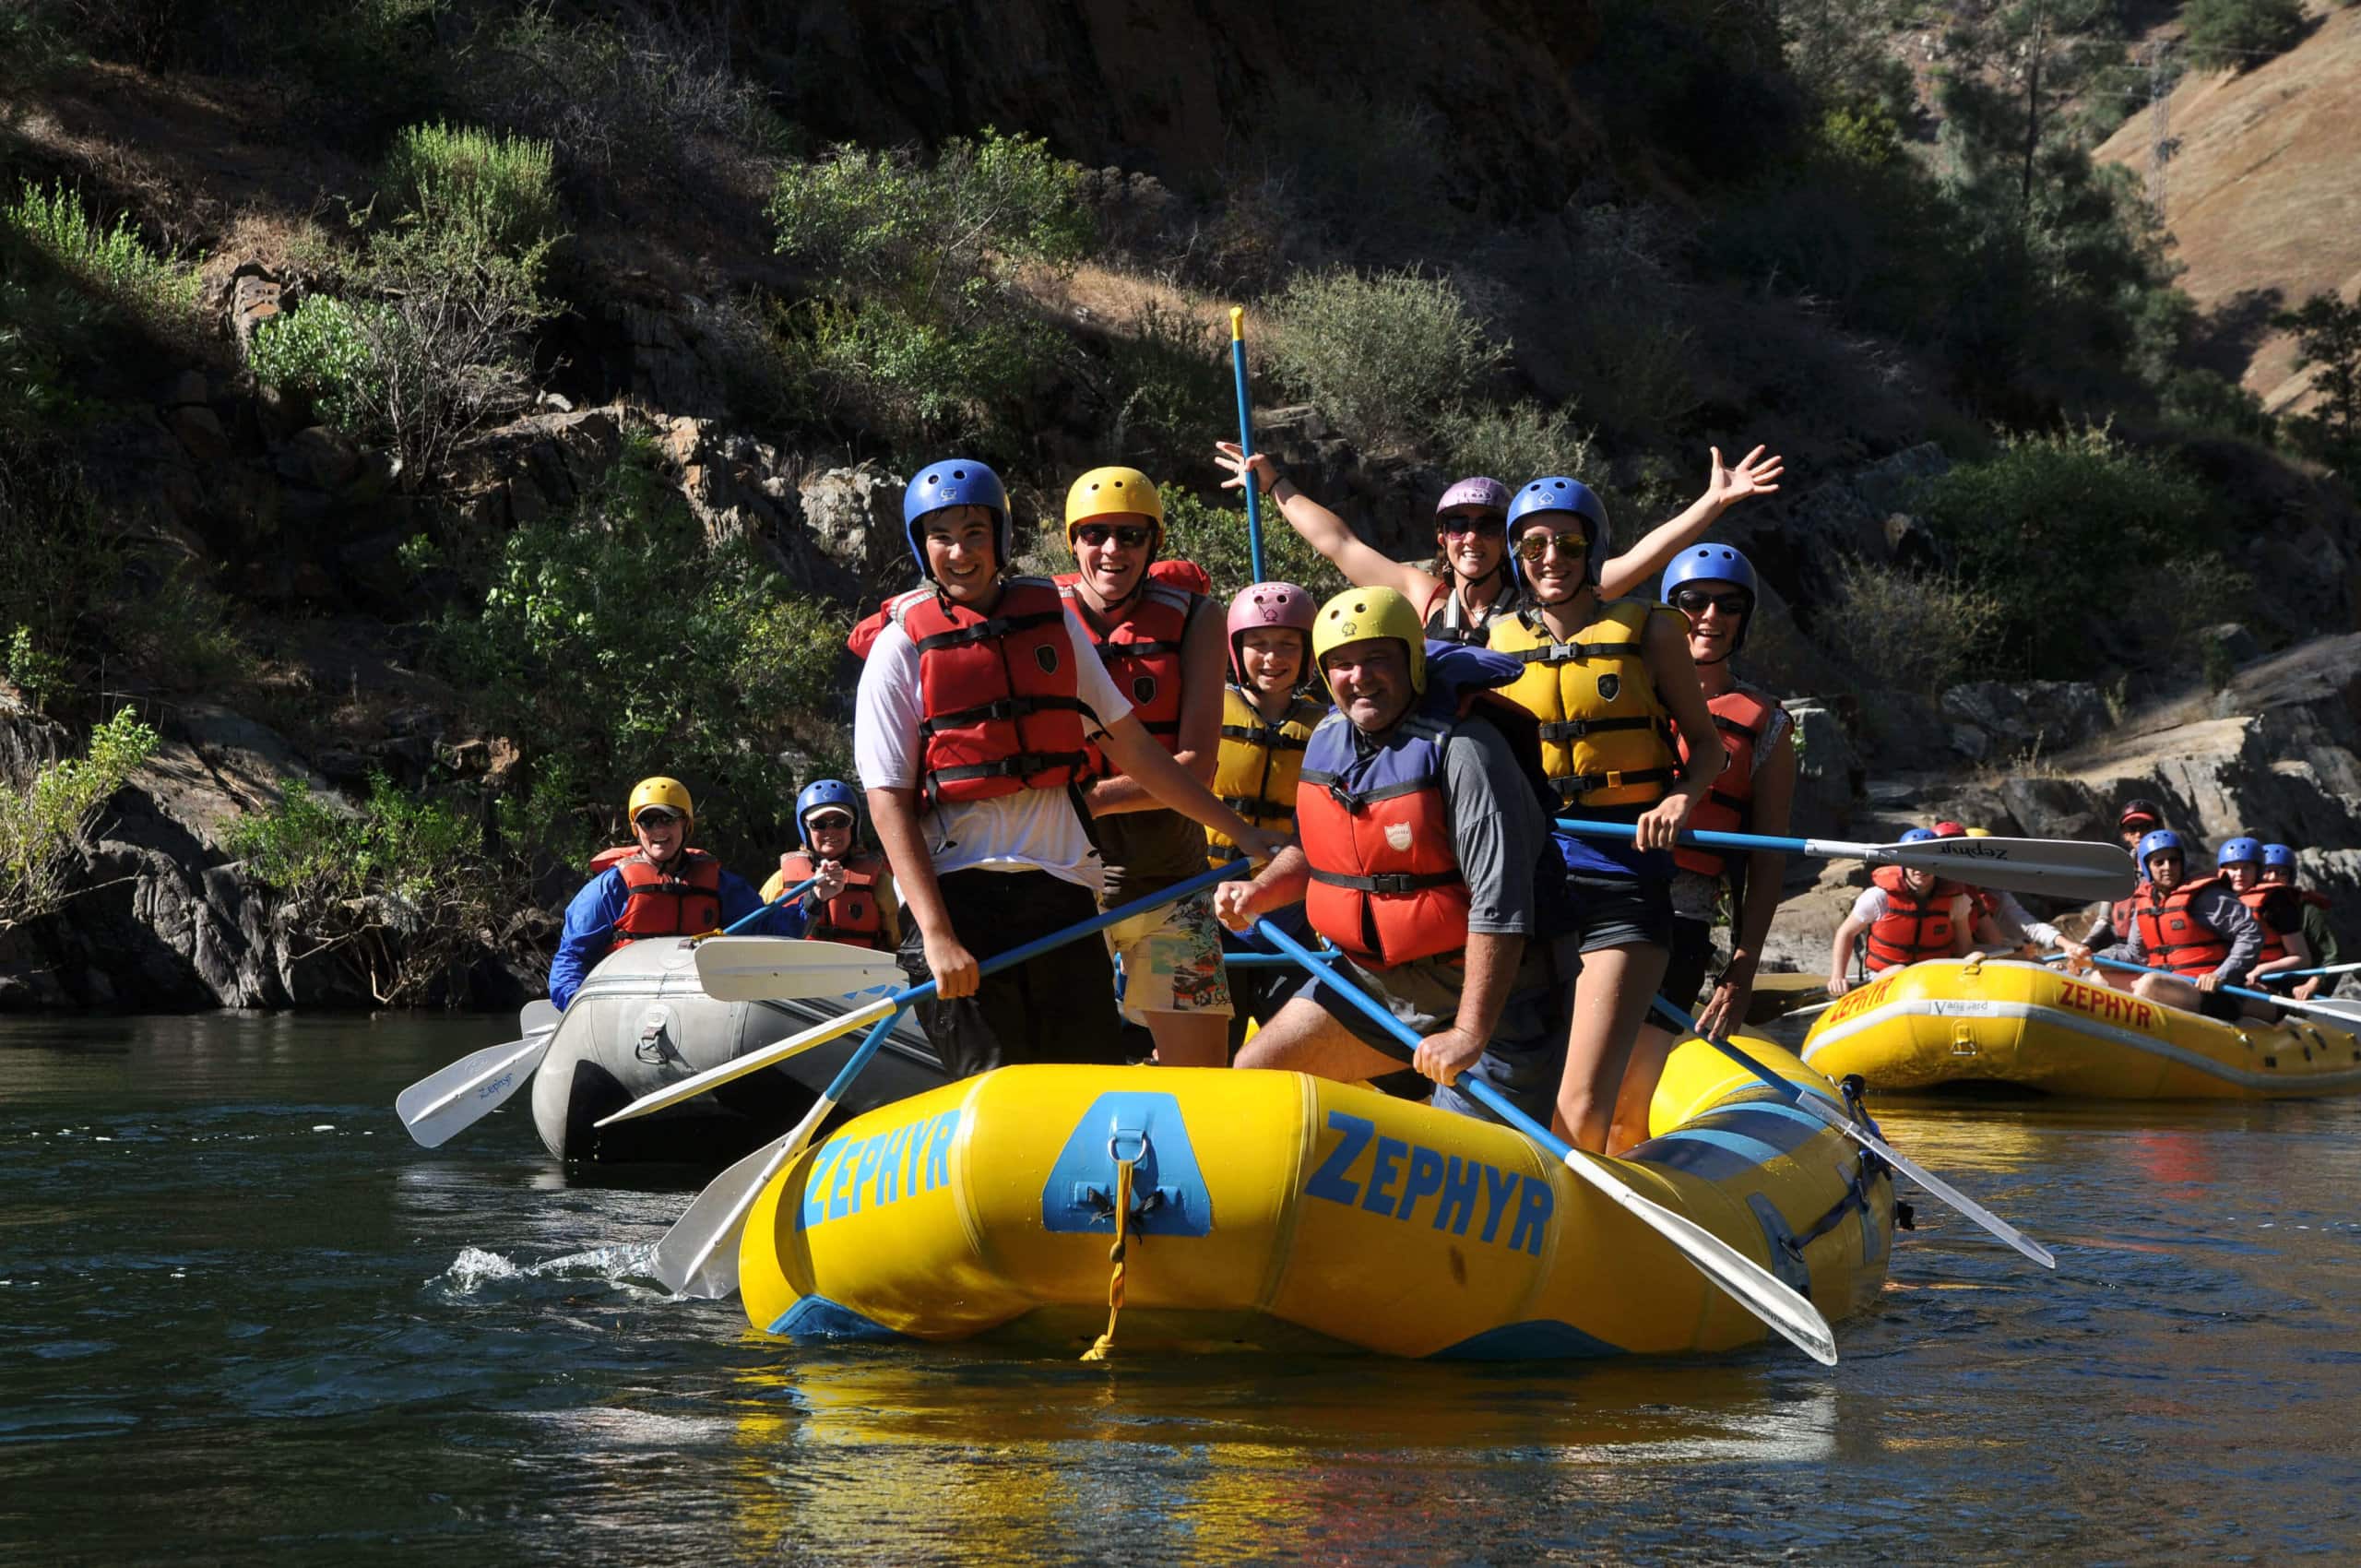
point(1612, 683)
point(1265, 720)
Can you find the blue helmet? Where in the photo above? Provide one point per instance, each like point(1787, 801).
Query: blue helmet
point(1713, 564)
point(1919, 836)
point(1558, 495)
point(2282, 855)
point(2239, 851)
point(955, 482)
point(826, 792)
point(2163, 838)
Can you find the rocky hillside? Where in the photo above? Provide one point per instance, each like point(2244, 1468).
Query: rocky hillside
point(2262, 178)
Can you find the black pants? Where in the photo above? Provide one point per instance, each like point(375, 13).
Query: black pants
point(1684, 975)
point(1057, 1006)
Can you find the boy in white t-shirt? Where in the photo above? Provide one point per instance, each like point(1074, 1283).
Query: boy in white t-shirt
point(977, 696)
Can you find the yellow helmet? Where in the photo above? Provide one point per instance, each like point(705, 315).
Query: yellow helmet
point(1358, 615)
point(1979, 833)
point(660, 791)
point(1104, 492)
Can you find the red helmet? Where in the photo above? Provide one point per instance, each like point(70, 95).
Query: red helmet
point(1269, 604)
point(2140, 810)
point(1950, 830)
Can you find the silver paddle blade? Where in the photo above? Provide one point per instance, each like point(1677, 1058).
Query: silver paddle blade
point(2056, 868)
point(446, 1103)
point(765, 968)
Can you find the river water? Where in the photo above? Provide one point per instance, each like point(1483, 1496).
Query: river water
point(242, 1316)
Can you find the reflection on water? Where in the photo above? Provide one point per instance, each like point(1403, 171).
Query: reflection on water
point(226, 1273)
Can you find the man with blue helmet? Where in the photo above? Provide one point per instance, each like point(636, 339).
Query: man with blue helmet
point(2279, 870)
point(2195, 937)
point(852, 893)
point(1904, 917)
point(980, 698)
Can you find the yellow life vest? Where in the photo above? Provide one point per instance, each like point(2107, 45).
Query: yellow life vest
point(1605, 739)
point(1255, 771)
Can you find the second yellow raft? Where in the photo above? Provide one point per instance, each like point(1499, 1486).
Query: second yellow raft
point(1277, 1210)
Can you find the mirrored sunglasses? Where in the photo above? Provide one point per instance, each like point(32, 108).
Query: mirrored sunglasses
point(1130, 536)
point(1694, 601)
point(827, 819)
point(1533, 546)
point(657, 816)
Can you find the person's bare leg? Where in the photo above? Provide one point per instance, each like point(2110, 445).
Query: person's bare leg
point(1304, 1039)
point(2168, 991)
point(1190, 1039)
point(1640, 1074)
point(1610, 999)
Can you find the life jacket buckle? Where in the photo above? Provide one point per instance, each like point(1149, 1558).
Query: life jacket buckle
point(1614, 778)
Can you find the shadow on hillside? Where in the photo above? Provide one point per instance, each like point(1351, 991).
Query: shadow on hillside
point(2226, 338)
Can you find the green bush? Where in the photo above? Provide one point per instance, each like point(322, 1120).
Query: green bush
point(46, 816)
point(1171, 388)
point(320, 351)
point(159, 291)
point(621, 635)
point(2208, 401)
point(1215, 537)
point(474, 193)
point(1388, 355)
point(1914, 632)
point(1516, 442)
point(2056, 525)
point(924, 325)
point(2238, 35)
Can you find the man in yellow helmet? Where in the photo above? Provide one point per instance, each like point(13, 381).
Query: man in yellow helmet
point(657, 885)
point(1163, 646)
point(1425, 854)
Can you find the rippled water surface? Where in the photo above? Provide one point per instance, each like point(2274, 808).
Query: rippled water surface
point(242, 1316)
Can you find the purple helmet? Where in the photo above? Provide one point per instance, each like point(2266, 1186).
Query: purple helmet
point(1489, 494)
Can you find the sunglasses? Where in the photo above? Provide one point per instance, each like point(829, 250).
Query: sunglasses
point(827, 819)
point(657, 816)
point(1130, 536)
point(1696, 601)
point(1535, 545)
point(1481, 528)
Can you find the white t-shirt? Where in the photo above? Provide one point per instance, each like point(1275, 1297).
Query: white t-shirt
point(1029, 830)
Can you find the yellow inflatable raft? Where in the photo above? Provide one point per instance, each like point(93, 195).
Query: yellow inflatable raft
point(1280, 1211)
point(1950, 1022)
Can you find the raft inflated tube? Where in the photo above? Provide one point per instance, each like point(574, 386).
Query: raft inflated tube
point(1951, 1021)
point(1277, 1210)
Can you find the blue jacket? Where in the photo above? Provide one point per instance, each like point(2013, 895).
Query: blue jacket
point(590, 925)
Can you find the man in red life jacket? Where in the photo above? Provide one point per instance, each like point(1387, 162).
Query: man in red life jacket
point(851, 898)
point(981, 701)
point(1901, 918)
point(2275, 907)
point(2194, 937)
point(2279, 870)
point(656, 886)
point(1426, 856)
point(1163, 647)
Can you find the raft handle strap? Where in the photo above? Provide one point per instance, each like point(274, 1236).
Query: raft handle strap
point(1105, 1342)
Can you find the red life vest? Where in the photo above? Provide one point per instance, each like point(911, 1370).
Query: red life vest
point(1142, 653)
point(851, 917)
point(2255, 900)
point(1742, 715)
point(1385, 879)
point(2174, 938)
point(614, 857)
point(2123, 911)
point(681, 900)
point(997, 691)
point(1911, 928)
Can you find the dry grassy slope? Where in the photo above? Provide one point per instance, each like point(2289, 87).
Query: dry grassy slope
point(2264, 188)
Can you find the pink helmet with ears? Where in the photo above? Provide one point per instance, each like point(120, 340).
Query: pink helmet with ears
point(1268, 604)
point(1489, 494)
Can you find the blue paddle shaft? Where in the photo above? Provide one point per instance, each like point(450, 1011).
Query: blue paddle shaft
point(1246, 449)
point(786, 898)
point(1703, 837)
point(1788, 1090)
point(1467, 1084)
point(2132, 968)
point(859, 1058)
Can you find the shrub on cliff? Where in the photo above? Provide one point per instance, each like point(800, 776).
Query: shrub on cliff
point(157, 289)
point(920, 325)
point(1388, 356)
point(47, 817)
point(1215, 537)
point(1913, 630)
point(2238, 35)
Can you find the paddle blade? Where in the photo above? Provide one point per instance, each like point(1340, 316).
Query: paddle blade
point(753, 1061)
point(2346, 1015)
point(1932, 1184)
point(444, 1103)
point(1746, 1281)
point(767, 969)
point(2054, 868)
point(698, 1257)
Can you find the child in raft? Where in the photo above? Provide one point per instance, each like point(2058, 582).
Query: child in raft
point(1473, 580)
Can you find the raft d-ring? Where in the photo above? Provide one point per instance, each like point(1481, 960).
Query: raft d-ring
point(1115, 1146)
point(1972, 967)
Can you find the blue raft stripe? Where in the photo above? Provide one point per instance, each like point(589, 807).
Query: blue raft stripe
point(816, 1317)
point(1541, 1339)
point(1707, 1153)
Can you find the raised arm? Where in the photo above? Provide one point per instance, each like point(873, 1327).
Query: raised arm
point(1637, 569)
point(1363, 565)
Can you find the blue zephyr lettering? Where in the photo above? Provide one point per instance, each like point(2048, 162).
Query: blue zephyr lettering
point(847, 1165)
point(889, 1168)
point(1459, 1184)
point(938, 1152)
point(1328, 1181)
point(1498, 1186)
point(1380, 1175)
point(1425, 1176)
point(1531, 1213)
point(815, 1185)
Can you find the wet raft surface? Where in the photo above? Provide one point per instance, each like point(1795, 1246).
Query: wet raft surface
point(240, 1312)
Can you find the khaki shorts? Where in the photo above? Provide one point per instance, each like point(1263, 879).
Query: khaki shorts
point(1172, 960)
